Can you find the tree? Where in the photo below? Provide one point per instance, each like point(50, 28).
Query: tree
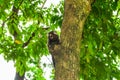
point(67, 53)
point(96, 58)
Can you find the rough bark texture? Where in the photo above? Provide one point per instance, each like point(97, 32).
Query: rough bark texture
point(67, 54)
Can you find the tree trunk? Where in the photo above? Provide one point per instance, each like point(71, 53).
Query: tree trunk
point(18, 77)
point(67, 57)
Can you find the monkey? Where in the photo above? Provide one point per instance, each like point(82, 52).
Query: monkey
point(53, 39)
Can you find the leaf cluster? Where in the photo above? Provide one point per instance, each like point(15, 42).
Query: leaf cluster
point(24, 26)
point(100, 45)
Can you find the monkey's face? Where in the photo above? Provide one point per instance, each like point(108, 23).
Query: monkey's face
point(51, 35)
point(53, 38)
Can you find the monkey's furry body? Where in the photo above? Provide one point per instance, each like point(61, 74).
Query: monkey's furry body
point(53, 40)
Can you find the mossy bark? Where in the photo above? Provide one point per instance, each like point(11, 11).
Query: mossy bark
point(67, 54)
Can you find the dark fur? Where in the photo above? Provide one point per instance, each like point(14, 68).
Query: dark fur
point(53, 39)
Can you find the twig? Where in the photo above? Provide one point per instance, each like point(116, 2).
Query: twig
point(33, 34)
point(43, 4)
point(26, 43)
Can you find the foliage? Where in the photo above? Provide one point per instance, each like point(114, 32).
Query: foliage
point(24, 25)
point(100, 45)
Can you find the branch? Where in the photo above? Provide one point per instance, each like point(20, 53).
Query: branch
point(33, 34)
point(26, 43)
point(10, 16)
point(13, 10)
point(43, 4)
point(4, 23)
point(20, 3)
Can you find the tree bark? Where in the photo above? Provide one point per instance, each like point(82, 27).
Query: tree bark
point(18, 77)
point(67, 54)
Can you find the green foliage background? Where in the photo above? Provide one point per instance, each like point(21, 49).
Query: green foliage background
point(24, 26)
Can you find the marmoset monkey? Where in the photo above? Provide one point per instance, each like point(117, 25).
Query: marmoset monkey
point(53, 39)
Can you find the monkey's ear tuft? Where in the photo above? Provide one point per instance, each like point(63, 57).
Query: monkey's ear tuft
point(52, 32)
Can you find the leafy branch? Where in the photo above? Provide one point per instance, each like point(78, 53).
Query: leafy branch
point(33, 34)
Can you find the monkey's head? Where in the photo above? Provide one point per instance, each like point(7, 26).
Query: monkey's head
point(53, 37)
